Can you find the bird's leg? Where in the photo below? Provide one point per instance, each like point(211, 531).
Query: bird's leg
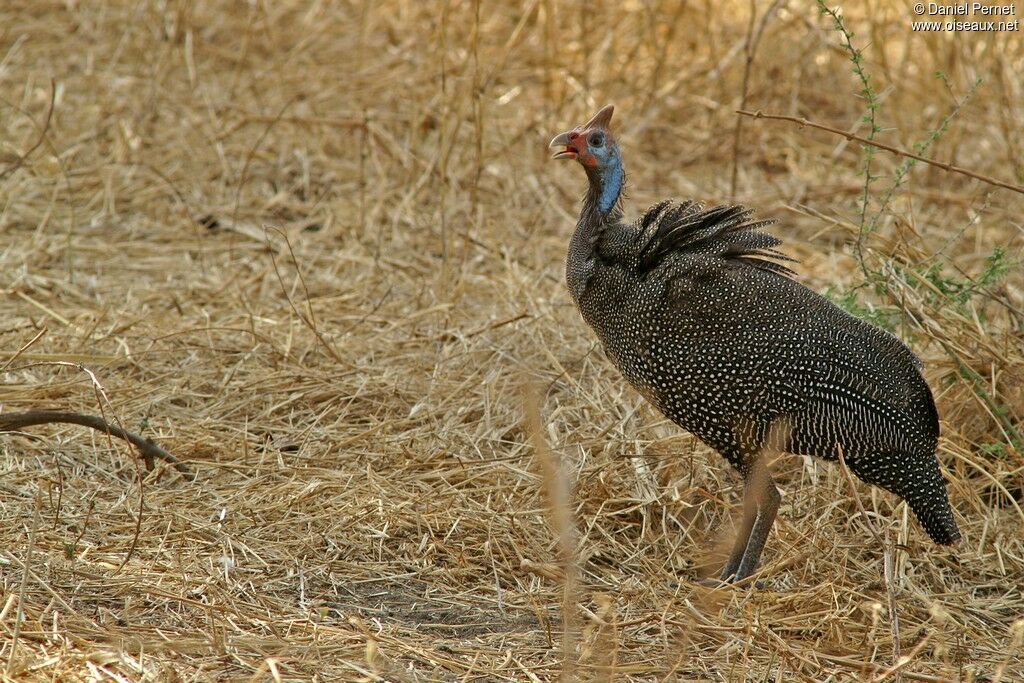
point(759, 486)
point(739, 546)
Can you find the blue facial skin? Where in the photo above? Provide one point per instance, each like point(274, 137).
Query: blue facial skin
point(610, 165)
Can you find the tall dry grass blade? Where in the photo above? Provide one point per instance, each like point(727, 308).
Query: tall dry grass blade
point(558, 493)
point(888, 563)
point(750, 46)
point(19, 613)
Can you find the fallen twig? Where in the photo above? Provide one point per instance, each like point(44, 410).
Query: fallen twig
point(149, 450)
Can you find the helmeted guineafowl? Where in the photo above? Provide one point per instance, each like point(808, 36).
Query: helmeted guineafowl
point(698, 311)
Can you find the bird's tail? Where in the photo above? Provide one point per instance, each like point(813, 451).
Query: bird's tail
point(916, 479)
point(925, 492)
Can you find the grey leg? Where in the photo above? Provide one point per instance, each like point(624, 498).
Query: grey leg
point(767, 498)
point(739, 546)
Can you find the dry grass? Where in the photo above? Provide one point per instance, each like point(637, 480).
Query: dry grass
point(314, 249)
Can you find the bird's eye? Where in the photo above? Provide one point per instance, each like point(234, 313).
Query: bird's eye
point(596, 139)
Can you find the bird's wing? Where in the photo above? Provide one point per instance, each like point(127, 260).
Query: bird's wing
point(724, 232)
point(865, 363)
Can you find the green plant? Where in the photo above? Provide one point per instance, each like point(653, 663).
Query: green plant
point(873, 105)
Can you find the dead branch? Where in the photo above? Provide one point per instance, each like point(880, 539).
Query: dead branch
point(888, 148)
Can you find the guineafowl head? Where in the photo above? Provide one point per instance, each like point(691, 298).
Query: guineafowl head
point(594, 147)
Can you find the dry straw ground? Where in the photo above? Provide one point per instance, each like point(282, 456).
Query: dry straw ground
point(315, 250)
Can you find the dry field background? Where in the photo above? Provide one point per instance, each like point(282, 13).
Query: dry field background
point(315, 249)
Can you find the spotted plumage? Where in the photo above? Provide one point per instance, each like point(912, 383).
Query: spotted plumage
point(699, 312)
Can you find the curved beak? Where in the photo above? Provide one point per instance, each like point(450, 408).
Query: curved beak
point(562, 140)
